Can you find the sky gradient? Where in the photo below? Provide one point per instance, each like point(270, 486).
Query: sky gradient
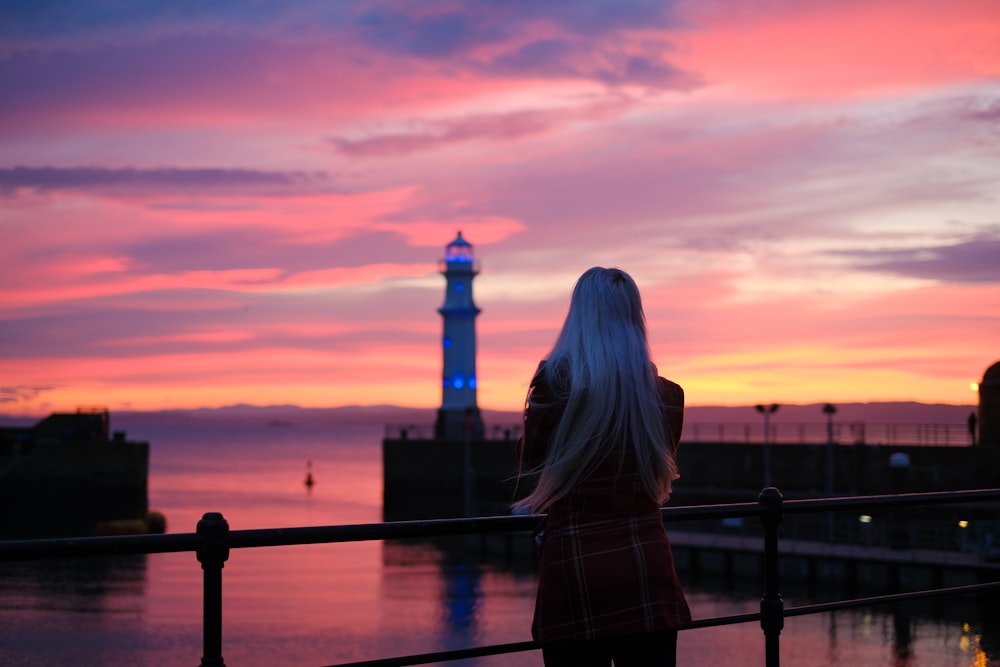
point(206, 204)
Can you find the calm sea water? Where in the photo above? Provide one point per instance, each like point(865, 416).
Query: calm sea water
point(325, 604)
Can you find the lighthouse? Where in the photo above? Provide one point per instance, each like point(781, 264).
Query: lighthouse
point(458, 418)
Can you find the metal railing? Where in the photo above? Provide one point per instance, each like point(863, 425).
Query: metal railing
point(213, 541)
point(422, 431)
point(841, 433)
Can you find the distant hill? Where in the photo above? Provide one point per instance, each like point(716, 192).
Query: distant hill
point(290, 415)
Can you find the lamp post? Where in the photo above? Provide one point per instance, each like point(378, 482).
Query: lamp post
point(767, 411)
point(829, 410)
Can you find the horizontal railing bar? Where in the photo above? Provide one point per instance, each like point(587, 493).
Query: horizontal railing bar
point(689, 512)
point(389, 530)
point(141, 544)
point(896, 500)
point(443, 656)
point(116, 545)
point(261, 537)
point(444, 527)
point(823, 607)
point(723, 620)
point(515, 647)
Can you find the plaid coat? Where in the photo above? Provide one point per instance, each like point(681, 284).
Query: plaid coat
point(606, 567)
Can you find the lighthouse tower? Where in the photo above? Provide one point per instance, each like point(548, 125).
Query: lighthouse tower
point(459, 416)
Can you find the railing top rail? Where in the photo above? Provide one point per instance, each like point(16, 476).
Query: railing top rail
point(896, 500)
point(264, 537)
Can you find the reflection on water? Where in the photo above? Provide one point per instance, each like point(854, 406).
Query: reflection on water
point(323, 604)
point(960, 631)
point(461, 598)
point(95, 600)
point(87, 585)
point(901, 636)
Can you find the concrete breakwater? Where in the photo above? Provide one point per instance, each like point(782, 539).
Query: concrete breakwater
point(68, 476)
point(425, 478)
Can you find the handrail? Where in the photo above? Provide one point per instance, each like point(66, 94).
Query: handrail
point(840, 433)
point(837, 432)
point(213, 541)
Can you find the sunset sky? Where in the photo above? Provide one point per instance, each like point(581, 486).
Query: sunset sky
point(205, 204)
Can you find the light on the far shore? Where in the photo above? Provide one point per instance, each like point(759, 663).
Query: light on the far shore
point(963, 524)
point(865, 518)
point(974, 386)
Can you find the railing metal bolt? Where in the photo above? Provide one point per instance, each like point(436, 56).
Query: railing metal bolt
point(213, 552)
point(772, 608)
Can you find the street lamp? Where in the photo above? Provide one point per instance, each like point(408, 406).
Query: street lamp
point(767, 411)
point(829, 410)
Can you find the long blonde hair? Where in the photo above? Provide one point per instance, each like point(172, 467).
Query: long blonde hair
point(600, 370)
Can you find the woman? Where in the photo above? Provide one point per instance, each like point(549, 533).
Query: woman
point(601, 430)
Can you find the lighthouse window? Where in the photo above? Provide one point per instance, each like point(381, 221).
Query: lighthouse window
point(459, 253)
point(472, 382)
point(447, 342)
point(458, 287)
point(458, 382)
point(447, 382)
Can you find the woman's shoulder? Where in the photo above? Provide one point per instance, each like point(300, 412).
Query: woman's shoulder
point(550, 375)
point(540, 378)
point(671, 393)
point(540, 389)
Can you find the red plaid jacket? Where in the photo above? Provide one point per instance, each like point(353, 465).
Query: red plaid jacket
point(606, 567)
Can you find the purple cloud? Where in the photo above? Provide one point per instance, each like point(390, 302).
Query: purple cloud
point(430, 134)
point(589, 51)
point(167, 179)
point(972, 261)
point(265, 247)
point(425, 34)
point(169, 322)
point(425, 28)
point(92, 51)
point(561, 58)
point(421, 27)
point(18, 394)
point(41, 23)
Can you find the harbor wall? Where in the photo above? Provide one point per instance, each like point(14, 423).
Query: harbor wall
point(53, 488)
point(424, 478)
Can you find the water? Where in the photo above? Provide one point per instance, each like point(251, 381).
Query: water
point(324, 604)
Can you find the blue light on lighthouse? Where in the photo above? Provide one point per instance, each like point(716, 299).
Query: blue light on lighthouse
point(459, 414)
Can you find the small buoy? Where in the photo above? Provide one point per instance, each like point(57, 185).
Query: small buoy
point(309, 476)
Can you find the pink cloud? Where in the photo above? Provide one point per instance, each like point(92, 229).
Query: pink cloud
point(796, 50)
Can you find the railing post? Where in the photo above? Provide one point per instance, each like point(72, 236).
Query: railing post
point(772, 610)
point(213, 552)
